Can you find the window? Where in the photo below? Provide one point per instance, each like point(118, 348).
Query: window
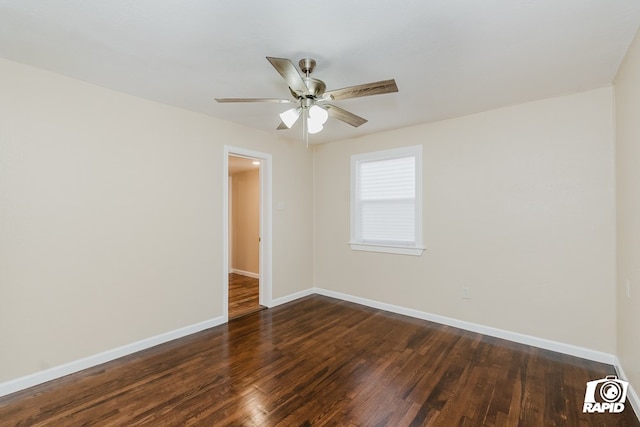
point(386, 201)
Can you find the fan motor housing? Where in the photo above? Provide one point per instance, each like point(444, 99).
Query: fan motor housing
point(316, 88)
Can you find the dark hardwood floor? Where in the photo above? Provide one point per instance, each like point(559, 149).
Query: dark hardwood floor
point(319, 361)
point(243, 295)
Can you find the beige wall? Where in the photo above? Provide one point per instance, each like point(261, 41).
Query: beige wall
point(111, 218)
point(245, 223)
point(627, 95)
point(518, 206)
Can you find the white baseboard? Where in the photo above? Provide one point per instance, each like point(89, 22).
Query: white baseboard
point(107, 356)
point(292, 297)
point(632, 396)
point(559, 347)
point(246, 273)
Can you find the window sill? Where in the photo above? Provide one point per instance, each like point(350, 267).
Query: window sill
point(389, 249)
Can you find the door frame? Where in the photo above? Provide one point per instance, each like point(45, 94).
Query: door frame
point(265, 224)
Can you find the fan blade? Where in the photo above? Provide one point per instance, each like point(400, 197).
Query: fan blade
point(290, 74)
point(367, 89)
point(345, 116)
point(273, 100)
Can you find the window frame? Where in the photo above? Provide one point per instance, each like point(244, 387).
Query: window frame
point(416, 248)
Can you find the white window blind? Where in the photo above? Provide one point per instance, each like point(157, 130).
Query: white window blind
point(386, 206)
point(386, 202)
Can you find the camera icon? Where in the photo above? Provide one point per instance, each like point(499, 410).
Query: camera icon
point(605, 395)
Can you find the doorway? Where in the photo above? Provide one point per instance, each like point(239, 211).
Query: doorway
point(247, 225)
point(244, 236)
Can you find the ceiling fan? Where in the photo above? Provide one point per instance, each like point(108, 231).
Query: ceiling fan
point(313, 100)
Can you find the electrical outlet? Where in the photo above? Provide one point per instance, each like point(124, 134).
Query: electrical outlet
point(628, 288)
point(466, 292)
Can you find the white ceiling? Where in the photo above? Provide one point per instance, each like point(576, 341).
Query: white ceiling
point(449, 57)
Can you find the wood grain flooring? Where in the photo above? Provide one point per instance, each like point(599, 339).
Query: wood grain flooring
point(319, 361)
point(243, 295)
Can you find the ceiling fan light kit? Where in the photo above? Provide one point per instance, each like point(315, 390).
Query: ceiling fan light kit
point(318, 116)
point(290, 116)
point(314, 101)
